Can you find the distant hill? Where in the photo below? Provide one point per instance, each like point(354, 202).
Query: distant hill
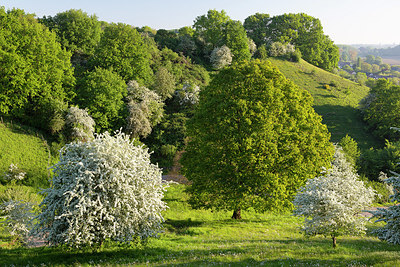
point(336, 99)
point(26, 148)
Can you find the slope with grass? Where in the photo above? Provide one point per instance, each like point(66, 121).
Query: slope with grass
point(336, 99)
point(26, 148)
point(204, 238)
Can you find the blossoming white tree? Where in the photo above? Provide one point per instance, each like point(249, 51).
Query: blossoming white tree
point(390, 232)
point(331, 203)
point(104, 189)
point(221, 57)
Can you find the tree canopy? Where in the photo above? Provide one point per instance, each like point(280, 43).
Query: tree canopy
point(123, 49)
point(77, 31)
point(303, 31)
point(382, 109)
point(102, 92)
point(253, 140)
point(35, 72)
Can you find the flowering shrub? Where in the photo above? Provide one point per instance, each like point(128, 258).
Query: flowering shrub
point(330, 203)
point(391, 215)
point(145, 108)
point(80, 124)
point(189, 94)
point(14, 174)
point(221, 57)
point(17, 216)
point(104, 189)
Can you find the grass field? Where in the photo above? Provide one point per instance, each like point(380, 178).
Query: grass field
point(205, 238)
point(336, 99)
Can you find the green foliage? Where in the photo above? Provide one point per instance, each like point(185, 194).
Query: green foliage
point(77, 31)
point(34, 71)
point(255, 26)
point(102, 92)
point(123, 49)
point(236, 40)
point(303, 31)
point(164, 83)
point(216, 29)
point(350, 149)
point(167, 137)
point(211, 26)
point(374, 161)
point(253, 140)
point(382, 110)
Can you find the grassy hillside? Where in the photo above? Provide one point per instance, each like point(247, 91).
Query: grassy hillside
point(27, 149)
point(335, 99)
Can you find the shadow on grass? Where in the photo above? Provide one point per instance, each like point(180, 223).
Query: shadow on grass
point(181, 227)
point(342, 120)
point(240, 252)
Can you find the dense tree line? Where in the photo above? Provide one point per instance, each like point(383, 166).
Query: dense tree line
point(73, 59)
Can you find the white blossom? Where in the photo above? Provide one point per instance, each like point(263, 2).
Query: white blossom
point(106, 188)
point(14, 173)
point(221, 57)
point(16, 217)
point(189, 94)
point(80, 124)
point(331, 203)
point(390, 232)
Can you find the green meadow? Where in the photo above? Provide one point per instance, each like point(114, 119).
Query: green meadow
point(205, 238)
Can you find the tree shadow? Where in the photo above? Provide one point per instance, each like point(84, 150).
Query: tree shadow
point(342, 120)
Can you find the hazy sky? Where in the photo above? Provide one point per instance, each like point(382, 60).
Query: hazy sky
point(345, 21)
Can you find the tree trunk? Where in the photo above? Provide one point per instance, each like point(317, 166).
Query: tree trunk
point(334, 241)
point(236, 214)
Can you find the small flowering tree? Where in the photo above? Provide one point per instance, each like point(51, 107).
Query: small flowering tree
point(391, 215)
point(16, 218)
point(331, 203)
point(189, 94)
point(221, 57)
point(14, 174)
point(145, 109)
point(104, 189)
point(80, 125)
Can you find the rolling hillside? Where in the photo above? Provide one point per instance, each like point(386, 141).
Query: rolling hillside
point(335, 99)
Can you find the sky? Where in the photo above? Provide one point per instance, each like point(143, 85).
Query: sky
point(345, 21)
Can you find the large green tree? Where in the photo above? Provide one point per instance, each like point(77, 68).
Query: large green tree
point(382, 109)
point(253, 140)
point(77, 31)
point(216, 29)
point(35, 73)
point(256, 26)
point(301, 30)
point(123, 49)
point(102, 92)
